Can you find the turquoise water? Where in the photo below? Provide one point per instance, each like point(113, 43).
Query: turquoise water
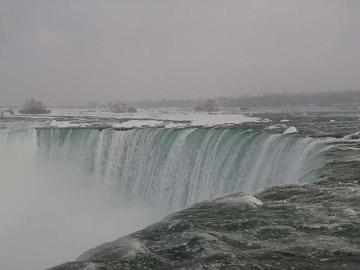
point(173, 168)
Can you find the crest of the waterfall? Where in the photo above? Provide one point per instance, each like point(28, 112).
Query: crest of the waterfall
point(172, 168)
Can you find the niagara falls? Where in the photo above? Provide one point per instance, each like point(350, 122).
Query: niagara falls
point(179, 135)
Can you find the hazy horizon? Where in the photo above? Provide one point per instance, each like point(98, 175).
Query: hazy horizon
point(72, 52)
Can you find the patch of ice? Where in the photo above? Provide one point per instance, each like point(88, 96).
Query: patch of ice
point(284, 120)
point(267, 120)
point(202, 119)
point(67, 124)
point(175, 125)
point(138, 123)
point(290, 130)
point(60, 124)
point(276, 126)
point(54, 123)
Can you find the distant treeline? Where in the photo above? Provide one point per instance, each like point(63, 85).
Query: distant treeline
point(329, 99)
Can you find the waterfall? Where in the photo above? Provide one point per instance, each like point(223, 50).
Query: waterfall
point(173, 168)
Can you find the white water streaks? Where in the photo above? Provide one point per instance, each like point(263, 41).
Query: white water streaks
point(173, 168)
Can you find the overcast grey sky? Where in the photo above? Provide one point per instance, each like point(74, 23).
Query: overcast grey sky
point(75, 51)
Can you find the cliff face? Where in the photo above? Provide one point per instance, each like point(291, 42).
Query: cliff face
point(315, 226)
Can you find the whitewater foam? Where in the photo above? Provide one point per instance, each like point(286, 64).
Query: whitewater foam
point(173, 168)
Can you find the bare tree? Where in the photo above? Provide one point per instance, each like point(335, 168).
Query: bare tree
point(121, 107)
point(118, 107)
point(208, 106)
point(33, 106)
point(132, 110)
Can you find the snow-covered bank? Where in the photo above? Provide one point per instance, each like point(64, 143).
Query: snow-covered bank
point(170, 117)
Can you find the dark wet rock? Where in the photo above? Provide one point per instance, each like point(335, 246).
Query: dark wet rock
point(315, 226)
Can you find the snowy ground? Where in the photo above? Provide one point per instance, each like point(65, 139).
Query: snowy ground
point(169, 117)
